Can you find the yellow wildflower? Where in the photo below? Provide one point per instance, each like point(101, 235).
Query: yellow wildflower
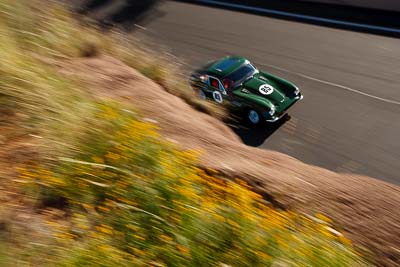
point(263, 255)
point(139, 237)
point(105, 229)
point(166, 238)
point(98, 160)
point(113, 156)
point(182, 249)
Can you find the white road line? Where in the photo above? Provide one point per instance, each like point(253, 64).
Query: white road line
point(334, 84)
point(299, 16)
point(140, 27)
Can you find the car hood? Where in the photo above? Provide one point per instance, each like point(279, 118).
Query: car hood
point(267, 89)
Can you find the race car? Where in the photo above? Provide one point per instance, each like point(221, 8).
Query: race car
point(233, 80)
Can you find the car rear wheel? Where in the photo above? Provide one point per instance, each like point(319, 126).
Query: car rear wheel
point(202, 95)
point(253, 117)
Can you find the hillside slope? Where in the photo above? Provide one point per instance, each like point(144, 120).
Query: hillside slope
point(366, 209)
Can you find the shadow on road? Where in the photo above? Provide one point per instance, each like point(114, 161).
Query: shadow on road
point(127, 15)
point(256, 136)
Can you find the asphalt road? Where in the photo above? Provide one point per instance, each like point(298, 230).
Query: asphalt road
point(349, 119)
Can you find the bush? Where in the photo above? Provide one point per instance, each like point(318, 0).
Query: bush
point(134, 196)
point(46, 102)
point(128, 197)
point(33, 40)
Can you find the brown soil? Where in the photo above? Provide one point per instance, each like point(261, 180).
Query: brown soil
point(367, 210)
point(17, 218)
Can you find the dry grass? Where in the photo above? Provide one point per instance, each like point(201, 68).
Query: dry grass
point(164, 69)
point(136, 200)
point(124, 196)
point(30, 38)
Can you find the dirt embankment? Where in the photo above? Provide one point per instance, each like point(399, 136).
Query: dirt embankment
point(367, 210)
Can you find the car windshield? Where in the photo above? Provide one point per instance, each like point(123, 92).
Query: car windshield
point(240, 75)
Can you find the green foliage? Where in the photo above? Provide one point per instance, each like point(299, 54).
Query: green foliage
point(47, 30)
point(32, 38)
point(136, 197)
point(47, 102)
point(163, 69)
point(129, 197)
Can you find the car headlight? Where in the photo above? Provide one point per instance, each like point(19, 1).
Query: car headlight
point(270, 113)
point(297, 91)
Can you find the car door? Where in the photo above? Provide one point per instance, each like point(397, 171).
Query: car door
point(218, 91)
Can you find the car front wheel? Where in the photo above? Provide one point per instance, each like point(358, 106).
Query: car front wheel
point(201, 94)
point(253, 117)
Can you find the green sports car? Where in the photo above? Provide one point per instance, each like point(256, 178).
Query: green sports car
point(234, 80)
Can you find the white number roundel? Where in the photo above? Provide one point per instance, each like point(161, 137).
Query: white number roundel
point(218, 97)
point(266, 89)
